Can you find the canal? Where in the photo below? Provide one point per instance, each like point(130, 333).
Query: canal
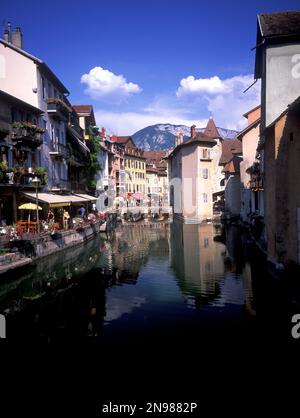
point(147, 283)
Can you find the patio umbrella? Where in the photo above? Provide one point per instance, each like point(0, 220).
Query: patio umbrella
point(29, 206)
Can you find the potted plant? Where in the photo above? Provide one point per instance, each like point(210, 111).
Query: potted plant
point(42, 173)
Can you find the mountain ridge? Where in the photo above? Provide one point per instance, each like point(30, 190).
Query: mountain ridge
point(162, 135)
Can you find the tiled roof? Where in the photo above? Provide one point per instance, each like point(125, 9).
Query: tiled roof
point(211, 130)
point(122, 139)
point(230, 147)
point(199, 137)
point(233, 166)
point(279, 23)
point(154, 155)
point(83, 108)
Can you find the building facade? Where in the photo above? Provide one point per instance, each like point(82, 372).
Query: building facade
point(249, 138)
point(190, 167)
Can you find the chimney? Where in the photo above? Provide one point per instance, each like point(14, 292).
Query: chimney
point(6, 35)
point(17, 38)
point(193, 131)
point(103, 133)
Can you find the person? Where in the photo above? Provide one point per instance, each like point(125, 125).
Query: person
point(81, 211)
point(66, 217)
point(50, 216)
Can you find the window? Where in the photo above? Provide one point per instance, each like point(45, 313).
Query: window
point(206, 242)
point(205, 173)
point(206, 154)
point(43, 88)
point(205, 197)
point(137, 187)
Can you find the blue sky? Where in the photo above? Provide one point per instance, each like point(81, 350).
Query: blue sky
point(146, 62)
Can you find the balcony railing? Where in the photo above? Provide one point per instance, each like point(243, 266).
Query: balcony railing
point(256, 184)
point(27, 134)
point(59, 151)
point(19, 177)
point(58, 109)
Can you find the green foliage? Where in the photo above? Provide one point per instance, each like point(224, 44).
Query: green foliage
point(3, 166)
point(42, 173)
point(93, 165)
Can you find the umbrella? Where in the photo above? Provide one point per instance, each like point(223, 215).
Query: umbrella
point(29, 206)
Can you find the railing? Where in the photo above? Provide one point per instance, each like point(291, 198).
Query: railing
point(59, 150)
point(27, 132)
point(18, 178)
point(256, 184)
point(58, 108)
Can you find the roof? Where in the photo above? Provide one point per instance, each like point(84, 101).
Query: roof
point(154, 155)
point(152, 169)
point(199, 138)
point(233, 166)
point(229, 148)
point(211, 130)
point(83, 109)
point(123, 139)
point(279, 23)
point(248, 128)
point(43, 67)
point(87, 111)
point(275, 28)
point(251, 110)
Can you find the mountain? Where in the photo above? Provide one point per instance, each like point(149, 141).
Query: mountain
point(162, 136)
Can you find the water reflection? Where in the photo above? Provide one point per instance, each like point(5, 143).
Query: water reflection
point(141, 281)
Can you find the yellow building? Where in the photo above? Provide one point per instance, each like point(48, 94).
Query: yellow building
point(135, 166)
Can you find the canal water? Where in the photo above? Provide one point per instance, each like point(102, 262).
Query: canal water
point(147, 283)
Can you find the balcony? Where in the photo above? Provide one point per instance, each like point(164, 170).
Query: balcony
point(59, 151)
point(58, 109)
point(20, 177)
point(256, 184)
point(25, 133)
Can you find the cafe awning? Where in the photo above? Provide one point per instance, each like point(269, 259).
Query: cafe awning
point(87, 197)
point(57, 200)
point(51, 199)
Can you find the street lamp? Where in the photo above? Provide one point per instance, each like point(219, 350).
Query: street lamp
point(36, 182)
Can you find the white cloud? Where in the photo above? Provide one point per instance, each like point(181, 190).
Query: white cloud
point(224, 99)
point(192, 85)
point(106, 86)
point(127, 123)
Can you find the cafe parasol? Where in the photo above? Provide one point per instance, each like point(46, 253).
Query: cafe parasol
point(29, 207)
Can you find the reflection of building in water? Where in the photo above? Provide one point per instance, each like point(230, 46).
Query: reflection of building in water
point(132, 247)
point(197, 259)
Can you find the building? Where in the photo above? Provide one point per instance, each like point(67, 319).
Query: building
point(135, 166)
point(86, 118)
point(79, 156)
point(249, 138)
point(30, 80)
point(157, 175)
point(282, 186)
point(277, 65)
point(230, 162)
point(192, 167)
point(20, 142)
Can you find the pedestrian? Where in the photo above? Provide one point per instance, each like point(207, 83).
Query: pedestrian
point(81, 211)
point(50, 216)
point(66, 217)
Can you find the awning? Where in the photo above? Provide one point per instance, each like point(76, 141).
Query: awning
point(57, 200)
point(78, 139)
point(53, 200)
point(87, 197)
